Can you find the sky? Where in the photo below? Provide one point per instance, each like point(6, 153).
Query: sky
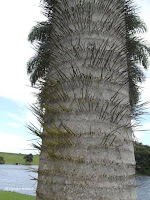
point(16, 19)
point(16, 94)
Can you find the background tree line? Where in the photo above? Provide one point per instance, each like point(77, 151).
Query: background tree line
point(142, 156)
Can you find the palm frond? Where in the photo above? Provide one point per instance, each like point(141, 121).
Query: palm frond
point(41, 32)
point(38, 64)
point(138, 51)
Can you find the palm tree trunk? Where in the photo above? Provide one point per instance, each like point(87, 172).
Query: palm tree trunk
point(87, 146)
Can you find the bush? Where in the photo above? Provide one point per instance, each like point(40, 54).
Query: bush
point(28, 158)
point(2, 161)
point(142, 157)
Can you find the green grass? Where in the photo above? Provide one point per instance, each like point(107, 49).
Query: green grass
point(13, 158)
point(14, 196)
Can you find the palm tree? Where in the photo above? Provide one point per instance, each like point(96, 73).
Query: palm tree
point(87, 70)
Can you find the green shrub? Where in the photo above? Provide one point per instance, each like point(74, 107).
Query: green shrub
point(2, 161)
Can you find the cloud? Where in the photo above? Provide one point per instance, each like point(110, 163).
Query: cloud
point(25, 118)
point(146, 127)
point(11, 142)
point(16, 52)
point(15, 125)
point(14, 143)
point(145, 95)
point(138, 135)
point(142, 133)
point(16, 117)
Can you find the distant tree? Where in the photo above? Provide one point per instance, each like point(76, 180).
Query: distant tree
point(2, 161)
point(28, 158)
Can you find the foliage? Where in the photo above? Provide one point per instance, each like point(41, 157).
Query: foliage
point(142, 156)
point(2, 161)
point(137, 50)
point(28, 158)
point(13, 158)
point(15, 196)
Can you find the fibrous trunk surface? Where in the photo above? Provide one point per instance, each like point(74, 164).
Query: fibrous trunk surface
point(87, 147)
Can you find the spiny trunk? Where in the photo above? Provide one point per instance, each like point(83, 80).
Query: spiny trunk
point(87, 147)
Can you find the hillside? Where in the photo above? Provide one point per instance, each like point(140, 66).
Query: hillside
point(14, 196)
point(13, 158)
point(142, 156)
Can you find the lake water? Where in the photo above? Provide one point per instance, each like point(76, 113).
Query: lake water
point(17, 178)
point(143, 187)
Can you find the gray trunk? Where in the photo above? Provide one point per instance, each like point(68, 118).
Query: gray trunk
point(87, 147)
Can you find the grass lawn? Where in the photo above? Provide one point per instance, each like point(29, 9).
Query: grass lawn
point(12, 158)
point(14, 196)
